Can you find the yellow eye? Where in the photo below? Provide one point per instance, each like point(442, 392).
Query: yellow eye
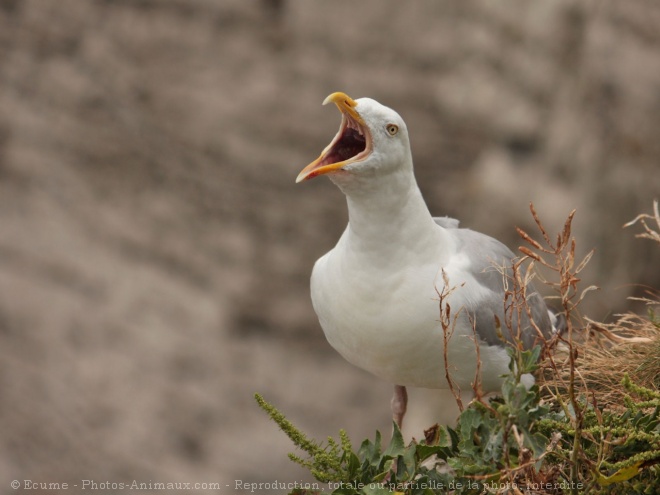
point(392, 129)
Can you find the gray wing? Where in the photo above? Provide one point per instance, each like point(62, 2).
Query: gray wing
point(485, 255)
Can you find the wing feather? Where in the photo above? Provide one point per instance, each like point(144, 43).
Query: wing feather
point(489, 263)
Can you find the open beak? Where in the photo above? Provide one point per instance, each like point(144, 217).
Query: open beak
point(351, 144)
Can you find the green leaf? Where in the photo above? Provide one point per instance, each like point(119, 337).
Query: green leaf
point(409, 463)
point(396, 446)
point(530, 359)
point(425, 451)
point(378, 442)
point(352, 464)
point(444, 439)
point(454, 438)
point(535, 441)
point(469, 422)
point(508, 390)
point(370, 452)
point(493, 447)
point(622, 474)
point(383, 474)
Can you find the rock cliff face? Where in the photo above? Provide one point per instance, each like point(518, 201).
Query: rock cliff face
point(155, 252)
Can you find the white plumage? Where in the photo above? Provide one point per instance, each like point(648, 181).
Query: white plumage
point(376, 292)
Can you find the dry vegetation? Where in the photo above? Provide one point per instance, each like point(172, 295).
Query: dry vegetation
point(608, 351)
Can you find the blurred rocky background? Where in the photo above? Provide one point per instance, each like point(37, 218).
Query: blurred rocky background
point(155, 251)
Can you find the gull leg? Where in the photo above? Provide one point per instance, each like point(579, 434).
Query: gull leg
point(399, 404)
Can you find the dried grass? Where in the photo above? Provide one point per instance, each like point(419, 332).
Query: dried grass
point(604, 356)
point(603, 353)
point(590, 367)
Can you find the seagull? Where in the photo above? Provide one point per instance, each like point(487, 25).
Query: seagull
point(376, 293)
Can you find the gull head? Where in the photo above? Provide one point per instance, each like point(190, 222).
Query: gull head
point(372, 140)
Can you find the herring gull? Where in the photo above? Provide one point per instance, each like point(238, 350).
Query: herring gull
point(376, 292)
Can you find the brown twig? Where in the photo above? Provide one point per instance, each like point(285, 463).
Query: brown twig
point(650, 233)
point(448, 324)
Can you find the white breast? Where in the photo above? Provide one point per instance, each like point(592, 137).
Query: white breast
point(385, 319)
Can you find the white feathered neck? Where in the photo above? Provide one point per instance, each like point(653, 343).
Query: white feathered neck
point(388, 216)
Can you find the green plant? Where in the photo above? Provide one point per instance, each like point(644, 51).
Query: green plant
point(494, 442)
point(550, 439)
